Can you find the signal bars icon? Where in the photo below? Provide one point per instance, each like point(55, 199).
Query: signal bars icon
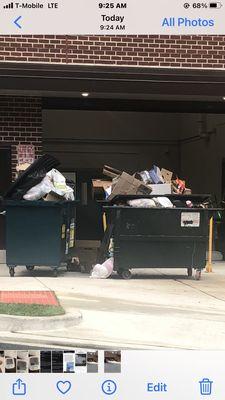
point(10, 5)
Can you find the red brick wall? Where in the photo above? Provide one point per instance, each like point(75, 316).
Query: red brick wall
point(20, 117)
point(164, 51)
point(20, 123)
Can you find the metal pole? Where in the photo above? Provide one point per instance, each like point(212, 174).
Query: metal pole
point(209, 263)
point(104, 222)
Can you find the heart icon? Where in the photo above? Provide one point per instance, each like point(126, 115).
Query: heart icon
point(63, 386)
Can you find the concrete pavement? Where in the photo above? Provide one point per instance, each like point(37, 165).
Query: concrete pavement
point(158, 308)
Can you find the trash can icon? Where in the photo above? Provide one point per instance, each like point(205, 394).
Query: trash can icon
point(206, 387)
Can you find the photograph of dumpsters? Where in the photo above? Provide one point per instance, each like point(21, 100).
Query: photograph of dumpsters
point(112, 183)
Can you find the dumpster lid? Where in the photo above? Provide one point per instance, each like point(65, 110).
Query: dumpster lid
point(193, 197)
point(31, 176)
point(38, 203)
point(172, 209)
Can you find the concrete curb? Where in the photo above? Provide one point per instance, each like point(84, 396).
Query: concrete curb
point(12, 323)
point(45, 342)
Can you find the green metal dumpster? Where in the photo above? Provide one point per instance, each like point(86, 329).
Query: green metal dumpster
point(158, 237)
point(39, 233)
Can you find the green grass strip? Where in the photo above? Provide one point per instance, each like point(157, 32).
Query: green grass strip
point(31, 310)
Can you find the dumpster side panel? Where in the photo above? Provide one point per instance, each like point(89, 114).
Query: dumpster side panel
point(148, 254)
point(161, 222)
point(33, 235)
point(148, 238)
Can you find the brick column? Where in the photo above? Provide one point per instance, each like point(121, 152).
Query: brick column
point(20, 123)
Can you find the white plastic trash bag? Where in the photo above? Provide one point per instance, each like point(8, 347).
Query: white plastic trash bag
point(164, 202)
point(54, 182)
point(103, 271)
point(40, 190)
point(60, 186)
point(142, 203)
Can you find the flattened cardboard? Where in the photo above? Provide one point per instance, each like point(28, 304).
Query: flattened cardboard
point(52, 196)
point(167, 175)
point(127, 184)
point(98, 183)
point(111, 172)
point(163, 188)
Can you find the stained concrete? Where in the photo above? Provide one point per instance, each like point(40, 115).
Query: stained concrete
point(158, 308)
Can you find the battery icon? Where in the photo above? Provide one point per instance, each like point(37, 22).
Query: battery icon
point(215, 5)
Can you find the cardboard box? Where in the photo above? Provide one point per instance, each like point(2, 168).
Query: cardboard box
point(87, 253)
point(52, 196)
point(187, 191)
point(98, 183)
point(99, 189)
point(111, 172)
point(167, 175)
point(163, 188)
point(127, 184)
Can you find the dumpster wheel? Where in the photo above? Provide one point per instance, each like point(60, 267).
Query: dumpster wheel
point(12, 271)
point(30, 267)
point(198, 274)
point(55, 272)
point(124, 273)
point(69, 265)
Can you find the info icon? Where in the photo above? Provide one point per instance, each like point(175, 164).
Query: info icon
point(109, 387)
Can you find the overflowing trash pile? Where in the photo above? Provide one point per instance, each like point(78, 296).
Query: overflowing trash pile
point(52, 187)
point(154, 188)
point(151, 203)
point(41, 181)
point(157, 176)
point(165, 202)
point(155, 181)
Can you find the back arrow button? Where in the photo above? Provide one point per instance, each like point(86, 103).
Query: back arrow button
point(16, 22)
